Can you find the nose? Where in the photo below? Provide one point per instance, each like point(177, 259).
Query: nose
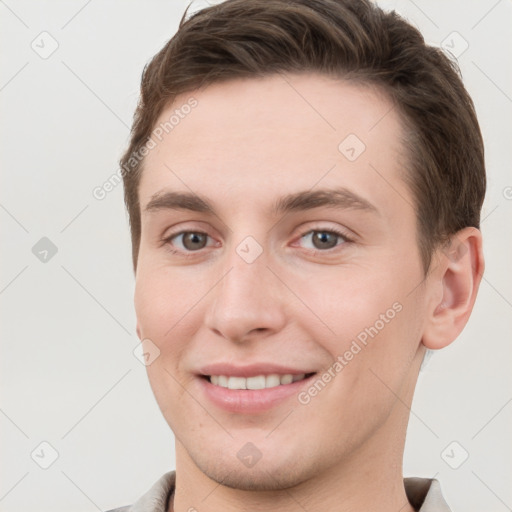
point(247, 302)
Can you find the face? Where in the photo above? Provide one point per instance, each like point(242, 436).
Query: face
point(278, 277)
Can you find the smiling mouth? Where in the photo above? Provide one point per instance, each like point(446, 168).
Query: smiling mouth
point(256, 382)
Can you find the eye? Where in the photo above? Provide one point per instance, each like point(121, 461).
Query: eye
point(324, 239)
point(187, 241)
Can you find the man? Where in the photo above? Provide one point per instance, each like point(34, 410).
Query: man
point(304, 184)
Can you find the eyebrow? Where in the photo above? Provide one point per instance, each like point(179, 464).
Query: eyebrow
point(341, 198)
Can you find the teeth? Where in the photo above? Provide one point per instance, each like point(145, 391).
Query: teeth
point(257, 382)
point(287, 379)
point(271, 381)
point(237, 383)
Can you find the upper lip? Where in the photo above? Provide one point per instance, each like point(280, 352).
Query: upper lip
point(251, 370)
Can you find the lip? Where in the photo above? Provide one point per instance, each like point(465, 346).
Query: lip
point(250, 401)
point(251, 370)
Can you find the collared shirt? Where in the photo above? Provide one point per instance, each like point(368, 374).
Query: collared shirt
point(424, 494)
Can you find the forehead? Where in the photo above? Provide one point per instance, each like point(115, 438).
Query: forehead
point(247, 139)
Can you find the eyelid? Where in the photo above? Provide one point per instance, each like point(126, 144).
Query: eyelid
point(166, 241)
point(347, 234)
point(340, 232)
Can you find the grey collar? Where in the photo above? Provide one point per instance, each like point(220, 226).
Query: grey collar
point(424, 495)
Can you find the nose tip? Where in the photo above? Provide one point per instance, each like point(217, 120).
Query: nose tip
point(246, 302)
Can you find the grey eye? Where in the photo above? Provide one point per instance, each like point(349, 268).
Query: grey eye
point(322, 239)
point(192, 240)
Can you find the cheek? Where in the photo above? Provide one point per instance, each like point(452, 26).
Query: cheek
point(368, 322)
point(369, 375)
point(343, 302)
point(168, 311)
point(164, 308)
point(164, 301)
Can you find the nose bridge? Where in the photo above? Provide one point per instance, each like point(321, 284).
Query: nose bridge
point(246, 298)
point(246, 281)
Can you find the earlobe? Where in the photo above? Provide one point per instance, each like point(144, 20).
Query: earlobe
point(454, 284)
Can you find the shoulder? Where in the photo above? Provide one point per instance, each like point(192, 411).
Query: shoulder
point(155, 499)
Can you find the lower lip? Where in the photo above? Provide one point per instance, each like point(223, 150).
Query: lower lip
point(250, 401)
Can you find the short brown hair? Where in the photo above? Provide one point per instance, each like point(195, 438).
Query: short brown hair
point(351, 39)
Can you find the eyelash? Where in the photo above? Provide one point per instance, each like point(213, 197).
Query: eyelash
point(191, 254)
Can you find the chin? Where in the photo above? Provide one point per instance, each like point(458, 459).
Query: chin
point(264, 476)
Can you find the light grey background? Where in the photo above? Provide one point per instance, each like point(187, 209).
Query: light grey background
point(68, 373)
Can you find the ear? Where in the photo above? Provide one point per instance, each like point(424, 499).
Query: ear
point(453, 285)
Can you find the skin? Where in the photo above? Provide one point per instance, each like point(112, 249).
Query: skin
point(247, 143)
